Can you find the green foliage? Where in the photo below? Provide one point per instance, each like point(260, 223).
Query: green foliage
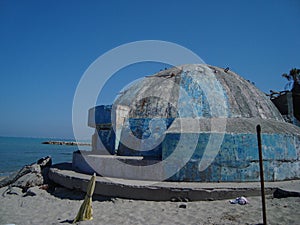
point(294, 75)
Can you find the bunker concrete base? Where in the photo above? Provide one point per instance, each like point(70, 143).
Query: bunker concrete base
point(163, 191)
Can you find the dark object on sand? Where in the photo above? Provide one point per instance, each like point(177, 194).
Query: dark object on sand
point(183, 205)
point(279, 193)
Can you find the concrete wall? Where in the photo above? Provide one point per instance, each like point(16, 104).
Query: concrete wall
point(237, 158)
point(143, 137)
point(104, 136)
point(99, 115)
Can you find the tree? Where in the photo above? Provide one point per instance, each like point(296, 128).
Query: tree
point(294, 80)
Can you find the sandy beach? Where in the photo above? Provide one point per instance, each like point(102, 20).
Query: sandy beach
point(61, 207)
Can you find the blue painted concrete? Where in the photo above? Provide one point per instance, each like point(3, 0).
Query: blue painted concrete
point(107, 138)
point(142, 129)
point(106, 133)
point(193, 98)
point(201, 96)
point(237, 159)
point(103, 114)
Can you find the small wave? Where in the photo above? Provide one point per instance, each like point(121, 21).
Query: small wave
point(66, 153)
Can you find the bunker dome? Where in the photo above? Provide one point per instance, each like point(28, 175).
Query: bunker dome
point(198, 123)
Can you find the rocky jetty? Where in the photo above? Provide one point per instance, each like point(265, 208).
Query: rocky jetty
point(66, 143)
point(35, 174)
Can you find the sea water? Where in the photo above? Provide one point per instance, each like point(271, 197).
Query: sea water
point(15, 152)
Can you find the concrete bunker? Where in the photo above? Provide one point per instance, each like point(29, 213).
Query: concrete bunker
point(204, 114)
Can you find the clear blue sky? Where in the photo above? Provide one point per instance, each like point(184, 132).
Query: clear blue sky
point(46, 46)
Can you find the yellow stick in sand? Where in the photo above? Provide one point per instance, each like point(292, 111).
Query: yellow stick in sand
point(86, 211)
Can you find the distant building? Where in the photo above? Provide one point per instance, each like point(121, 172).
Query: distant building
point(288, 104)
point(196, 123)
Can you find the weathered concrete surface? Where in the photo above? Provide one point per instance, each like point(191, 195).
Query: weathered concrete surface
point(193, 107)
point(115, 166)
point(237, 157)
point(151, 97)
point(163, 191)
point(233, 126)
point(187, 91)
point(99, 115)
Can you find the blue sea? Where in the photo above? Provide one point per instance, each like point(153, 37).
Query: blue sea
point(15, 152)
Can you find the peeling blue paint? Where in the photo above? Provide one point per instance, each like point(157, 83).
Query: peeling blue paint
point(235, 162)
point(103, 114)
point(234, 98)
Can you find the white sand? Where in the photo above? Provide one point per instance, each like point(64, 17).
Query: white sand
point(60, 208)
